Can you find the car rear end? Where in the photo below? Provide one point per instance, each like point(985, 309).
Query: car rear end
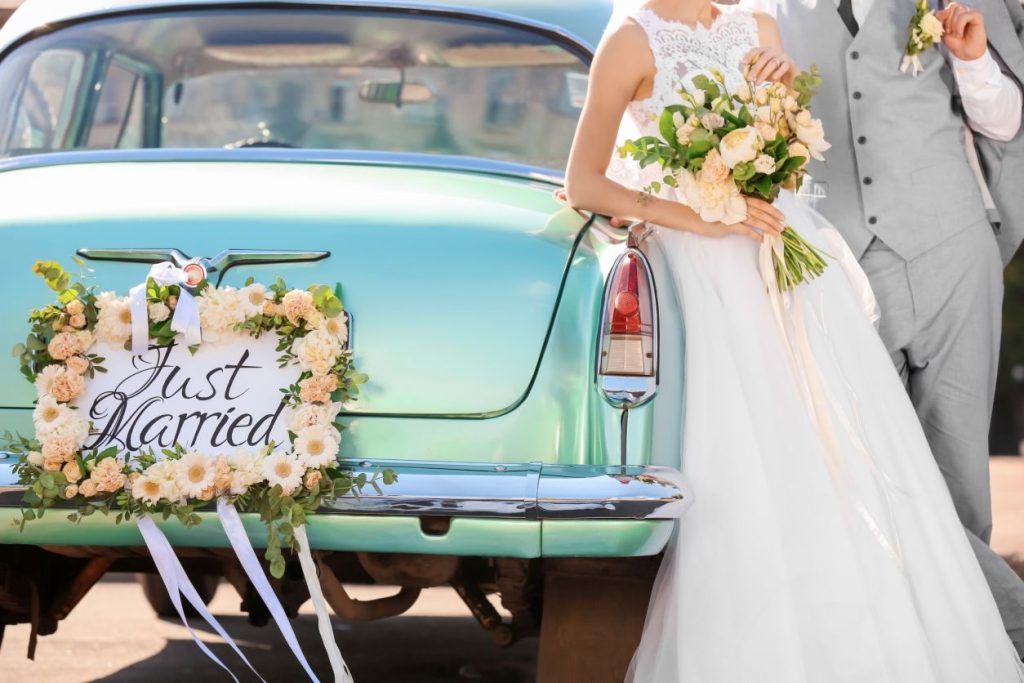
point(518, 363)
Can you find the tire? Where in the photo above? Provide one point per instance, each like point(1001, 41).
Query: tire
point(592, 622)
point(156, 594)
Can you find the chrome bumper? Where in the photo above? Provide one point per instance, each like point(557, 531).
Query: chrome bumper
point(531, 491)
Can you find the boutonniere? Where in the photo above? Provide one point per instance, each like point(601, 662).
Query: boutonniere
point(925, 32)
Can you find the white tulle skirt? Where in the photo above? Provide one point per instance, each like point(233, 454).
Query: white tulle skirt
point(801, 563)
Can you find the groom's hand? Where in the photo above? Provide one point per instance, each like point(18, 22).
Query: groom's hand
point(965, 35)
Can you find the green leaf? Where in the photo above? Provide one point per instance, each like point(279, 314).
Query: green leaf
point(277, 566)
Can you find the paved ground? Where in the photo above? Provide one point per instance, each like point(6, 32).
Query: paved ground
point(114, 637)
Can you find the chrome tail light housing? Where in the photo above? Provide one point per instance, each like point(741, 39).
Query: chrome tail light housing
point(627, 349)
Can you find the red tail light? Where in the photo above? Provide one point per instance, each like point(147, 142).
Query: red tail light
point(628, 328)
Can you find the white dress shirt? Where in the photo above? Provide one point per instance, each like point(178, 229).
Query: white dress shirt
point(992, 101)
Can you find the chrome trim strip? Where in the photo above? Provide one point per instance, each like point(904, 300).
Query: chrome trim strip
point(532, 491)
point(218, 264)
point(431, 162)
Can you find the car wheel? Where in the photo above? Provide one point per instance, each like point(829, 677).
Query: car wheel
point(592, 619)
point(156, 594)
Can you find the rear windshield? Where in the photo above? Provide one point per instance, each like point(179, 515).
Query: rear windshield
point(314, 79)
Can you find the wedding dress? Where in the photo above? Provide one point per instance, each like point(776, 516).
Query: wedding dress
point(821, 548)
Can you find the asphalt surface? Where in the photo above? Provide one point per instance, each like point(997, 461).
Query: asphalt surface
point(113, 636)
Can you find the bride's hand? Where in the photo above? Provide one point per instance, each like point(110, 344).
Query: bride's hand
point(770, 64)
point(762, 218)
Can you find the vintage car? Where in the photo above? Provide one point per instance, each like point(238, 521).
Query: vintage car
point(411, 151)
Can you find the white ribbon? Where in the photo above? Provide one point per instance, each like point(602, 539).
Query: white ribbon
point(186, 313)
point(911, 62)
point(789, 317)
point(323, 615)
point(239, 539)
point(178, 584)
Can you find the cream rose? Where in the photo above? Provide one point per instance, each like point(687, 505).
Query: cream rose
point(712, 121)
point(742, 144)
point(932, 28)
point(75, 307)
point(797, 149)
point(159, 311)
point(811, 133)
point(88, 488)
point(764, 164)
point(317, 352)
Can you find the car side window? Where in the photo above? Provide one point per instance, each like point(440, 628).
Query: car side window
point(44, 107)
point(118, 118)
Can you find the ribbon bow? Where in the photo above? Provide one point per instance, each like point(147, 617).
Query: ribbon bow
point(186, 313)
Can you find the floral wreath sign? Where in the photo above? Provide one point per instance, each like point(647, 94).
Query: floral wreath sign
point(182, 395)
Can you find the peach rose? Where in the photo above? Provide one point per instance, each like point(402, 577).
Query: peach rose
point(312, 479)
point(73, 472)
point(222, 474)
point(71, 491)
point(88, 488)
point(75, 307)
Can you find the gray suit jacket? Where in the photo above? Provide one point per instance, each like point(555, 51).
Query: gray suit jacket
point(899, 169)
point(1003, 162)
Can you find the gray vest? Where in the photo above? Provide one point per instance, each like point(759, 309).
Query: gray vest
point(897, 168)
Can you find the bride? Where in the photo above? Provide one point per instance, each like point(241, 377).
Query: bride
point(821, 548)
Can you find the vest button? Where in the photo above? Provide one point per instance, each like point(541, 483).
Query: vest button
point(873, 220)
point(854, 55)
point(857, 95)
point(867, 181)
point(862, 139)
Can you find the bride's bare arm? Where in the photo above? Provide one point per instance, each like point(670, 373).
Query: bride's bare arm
point(622, 66)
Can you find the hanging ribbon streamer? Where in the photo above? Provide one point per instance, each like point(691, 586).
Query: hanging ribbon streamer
point(323, 615)
point(178, 584)
point(186, 313)
point(239, 539)
point(789, 314)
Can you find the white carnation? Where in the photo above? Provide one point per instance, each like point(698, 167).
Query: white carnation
point(44, 380)
point(220, 311)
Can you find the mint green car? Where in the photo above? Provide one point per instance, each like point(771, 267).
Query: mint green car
point(410, 151)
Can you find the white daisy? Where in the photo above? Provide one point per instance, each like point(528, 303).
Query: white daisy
point(194, 474)
point(318, 446)
point(284, 470)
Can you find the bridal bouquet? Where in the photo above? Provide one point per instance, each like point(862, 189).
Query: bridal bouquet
point(716, 146)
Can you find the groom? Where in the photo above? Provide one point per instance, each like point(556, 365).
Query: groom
point(904, 186)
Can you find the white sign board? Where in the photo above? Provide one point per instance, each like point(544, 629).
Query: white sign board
point(226, 396)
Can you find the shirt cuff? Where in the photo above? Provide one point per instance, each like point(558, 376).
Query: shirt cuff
point(981, 71)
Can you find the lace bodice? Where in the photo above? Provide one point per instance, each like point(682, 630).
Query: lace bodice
point(680, 50)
